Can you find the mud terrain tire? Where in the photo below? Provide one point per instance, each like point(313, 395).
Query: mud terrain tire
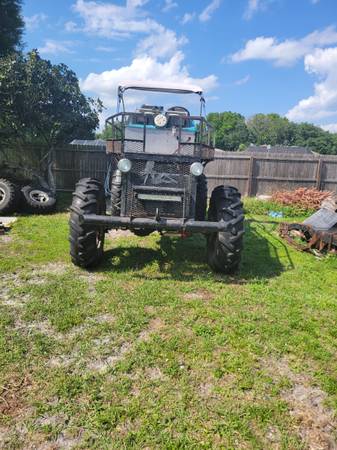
point(87, 241)
point(224, 248)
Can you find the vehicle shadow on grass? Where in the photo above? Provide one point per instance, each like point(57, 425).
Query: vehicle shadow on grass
point(264, 256)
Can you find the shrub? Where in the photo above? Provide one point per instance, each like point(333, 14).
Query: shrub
point(262, 207)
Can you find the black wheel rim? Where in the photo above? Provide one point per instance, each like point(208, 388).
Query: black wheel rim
point(39, 196)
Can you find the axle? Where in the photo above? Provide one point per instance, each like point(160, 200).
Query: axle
point(159, 225)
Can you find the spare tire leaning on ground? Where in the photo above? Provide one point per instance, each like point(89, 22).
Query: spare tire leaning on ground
point(38, 200)
point(9, 196)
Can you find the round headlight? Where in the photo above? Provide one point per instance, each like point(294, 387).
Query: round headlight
point(160, 120)
point(124, 165)
point(196, 169)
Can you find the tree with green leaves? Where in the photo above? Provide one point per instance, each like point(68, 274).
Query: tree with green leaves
point(316, 139)
point(11, 26)
point(230, 130)
point(41, 103)
point(106, 133)
point(271, 129)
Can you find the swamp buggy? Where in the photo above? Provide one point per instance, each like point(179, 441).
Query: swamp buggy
point(156, 182)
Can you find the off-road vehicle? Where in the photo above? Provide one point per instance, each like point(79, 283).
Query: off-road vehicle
point(156, 181)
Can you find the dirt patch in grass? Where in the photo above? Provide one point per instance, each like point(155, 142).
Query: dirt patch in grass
point(43, 327)
point(5, 239)
point(61, 361)
point(38, 275)
point(206, 389)
point(154, 373)
point(14, 301)
point(154, 326)
point(104, 363)
point(200, 294)
point(54, 268)
point(104, 318)
point(315, 423)
point(12, 396)
point(116, 234)
point(66, 441)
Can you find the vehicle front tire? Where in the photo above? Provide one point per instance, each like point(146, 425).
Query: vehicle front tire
point(87, 241)
point(37, 200)
point(224, 248)
point(9, 196)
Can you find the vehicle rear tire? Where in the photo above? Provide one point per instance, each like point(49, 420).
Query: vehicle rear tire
point(37, 200)
point(9, 196)
point(87, 241)
point(224, 248)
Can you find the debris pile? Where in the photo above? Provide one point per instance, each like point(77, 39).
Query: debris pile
point(318, 233)
point(306, 198)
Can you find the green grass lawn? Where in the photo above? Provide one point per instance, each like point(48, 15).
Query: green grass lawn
point(153, 350)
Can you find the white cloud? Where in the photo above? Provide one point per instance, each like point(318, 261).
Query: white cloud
point(115, 21)
point(165, 47)
point(52, 47)
point(145, 68)
point(332, 127)
point(287, 52)
point(207, 13)
point(110, 20)
point(106, 49)
point(32, 22)
point(169, 4)
point(253, 7)
point(187, 17)
point(71, 27)
point(135, 3)
point(323, 103)
point(242, 81)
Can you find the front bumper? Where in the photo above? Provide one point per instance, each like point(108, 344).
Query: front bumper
point(189, 225)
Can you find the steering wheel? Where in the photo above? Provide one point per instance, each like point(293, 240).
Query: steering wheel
point(179, 108)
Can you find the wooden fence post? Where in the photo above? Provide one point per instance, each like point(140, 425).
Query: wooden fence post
point(319, 174)
point(249, 189)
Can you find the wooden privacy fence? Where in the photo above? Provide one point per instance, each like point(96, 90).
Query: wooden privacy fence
point(72, 163)
point(256, 174)
point(252, 174)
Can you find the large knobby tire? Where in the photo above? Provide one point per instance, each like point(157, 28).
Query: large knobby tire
point(87, 241)
point(224, 248)
point(201, 198)
point(38, 200)
point(9, 196)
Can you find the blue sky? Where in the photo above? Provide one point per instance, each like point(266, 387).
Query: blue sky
point(249, 55)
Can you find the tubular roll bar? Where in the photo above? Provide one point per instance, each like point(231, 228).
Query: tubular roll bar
point(203, 125)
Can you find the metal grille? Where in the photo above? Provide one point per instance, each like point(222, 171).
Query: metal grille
point(189, 149)
point(161, 178)
point(159, 173)
point(198, 150)
point(133, 146)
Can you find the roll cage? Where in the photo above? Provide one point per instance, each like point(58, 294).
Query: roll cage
point(193, 134)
